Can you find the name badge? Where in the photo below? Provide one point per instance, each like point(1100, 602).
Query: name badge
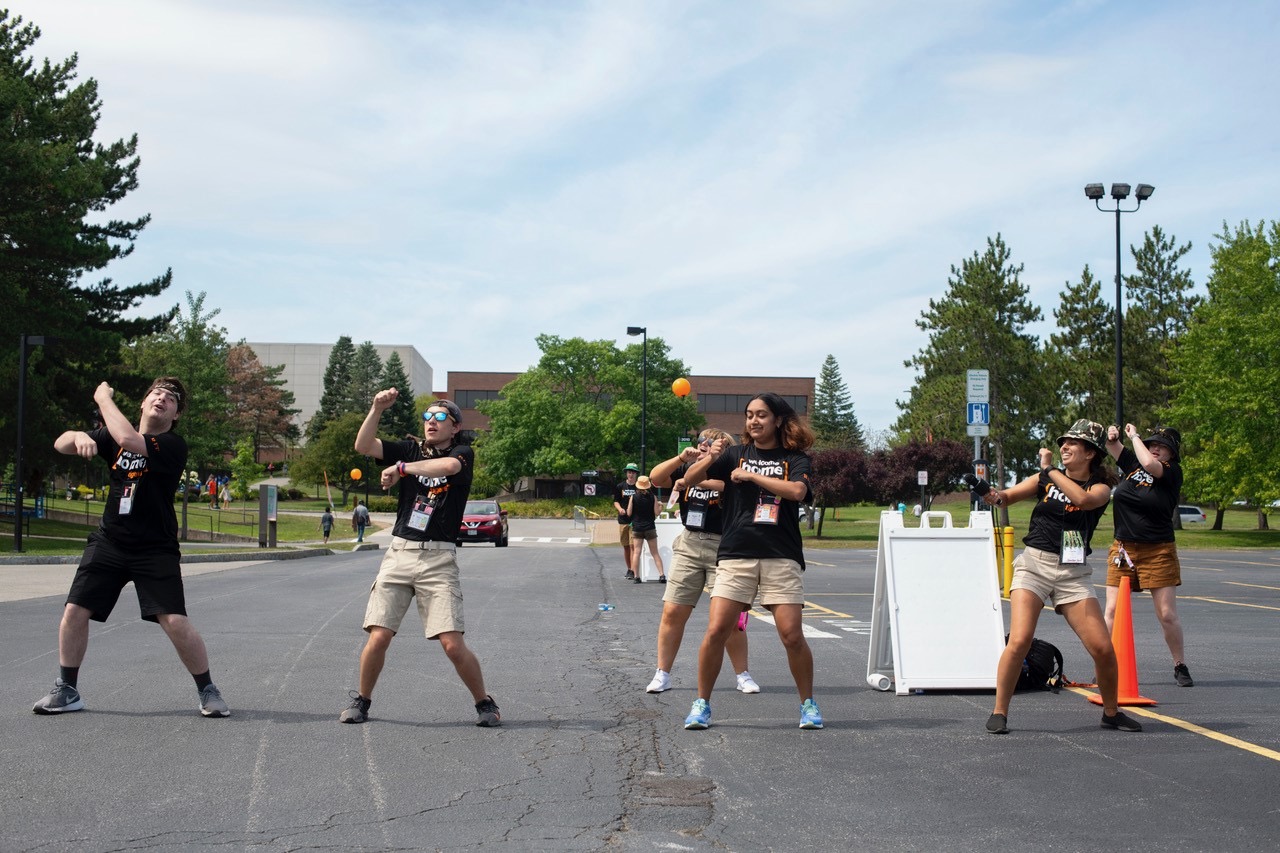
point(695, 519)
point(767, 510)
point(421, 515)
point(126, 499)
point(1072, 547)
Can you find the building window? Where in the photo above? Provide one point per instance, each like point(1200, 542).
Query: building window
point(468, 399)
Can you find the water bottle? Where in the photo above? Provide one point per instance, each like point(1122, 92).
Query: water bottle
point(604, 606)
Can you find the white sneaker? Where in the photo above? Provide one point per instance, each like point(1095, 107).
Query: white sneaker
point(661, 681)
point(747, 684)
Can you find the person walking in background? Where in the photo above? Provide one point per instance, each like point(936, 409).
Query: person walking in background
point(137, 540)
point(1144, 549)
point(693, 566)
point(326, 523)
point(1053, 568)
point(622, 493)
point(765, 479)
point(435, 482)
point(360, 520)
point(642, 507)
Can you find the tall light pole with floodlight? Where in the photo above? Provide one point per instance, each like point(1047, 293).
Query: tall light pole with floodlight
point(643, 331)
point(1119, 192)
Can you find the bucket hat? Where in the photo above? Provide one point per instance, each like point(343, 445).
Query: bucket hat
point(1089, 432)
point(1169, 437)
point(631, 466)
point(643, 484)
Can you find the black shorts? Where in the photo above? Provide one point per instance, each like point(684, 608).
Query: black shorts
point(106, 567)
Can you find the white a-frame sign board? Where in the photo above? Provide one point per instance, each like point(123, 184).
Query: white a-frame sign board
point(936, 619)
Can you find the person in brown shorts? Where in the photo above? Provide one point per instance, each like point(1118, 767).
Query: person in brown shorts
point(1144, 549)
point(642, 507)
point(1053, 568)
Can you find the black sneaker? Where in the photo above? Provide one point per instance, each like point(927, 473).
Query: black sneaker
point(662, 579)
point(357, 711)
point(212, 704)
point(998, 724)
point(488, 711)
point(61, 699)
point(1121, 721)
point(629, 575)
point(637, 580)
point(1182, 675)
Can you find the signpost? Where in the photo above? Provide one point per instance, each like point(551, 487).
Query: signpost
point(978, 412)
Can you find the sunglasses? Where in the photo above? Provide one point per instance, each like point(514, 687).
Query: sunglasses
point(439, 416)
point(706, 442)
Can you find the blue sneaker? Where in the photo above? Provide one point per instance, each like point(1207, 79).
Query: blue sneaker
point(699, 715)
point(810, 716)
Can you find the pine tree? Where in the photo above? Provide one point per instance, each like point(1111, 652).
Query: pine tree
point(1081, 355)
point(402, 418)
point(366, 374)
point(337, 387)
point(833, 420)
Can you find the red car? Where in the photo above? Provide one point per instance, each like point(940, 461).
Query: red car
point(483, 521)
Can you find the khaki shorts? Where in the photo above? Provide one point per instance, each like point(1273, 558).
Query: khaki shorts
point(693, 567)
point(647, 535)
point(1155, 565)
point(431, 577)
point(1056, 583)
point(777, 581)
point(624, 535)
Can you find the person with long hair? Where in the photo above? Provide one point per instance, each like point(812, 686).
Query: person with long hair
point(693, 567)
point(1144, 549)
point(643, 509)
point(1053, 568)
point(765, 478)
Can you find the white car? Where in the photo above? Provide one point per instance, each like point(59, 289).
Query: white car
point(1192, 515)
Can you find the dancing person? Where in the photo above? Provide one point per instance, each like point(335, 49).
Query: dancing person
point(1144, 549)
point(137, 540)
point(693, 566)
point(435, 482)
point(765, 479)
point(1053, 569)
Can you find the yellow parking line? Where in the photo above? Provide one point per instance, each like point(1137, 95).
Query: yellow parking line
point(1233, 603)
point(1254, 585)
point(1192, 727)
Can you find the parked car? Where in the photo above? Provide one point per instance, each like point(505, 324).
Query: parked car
point(1192, 515)
point(484, 521)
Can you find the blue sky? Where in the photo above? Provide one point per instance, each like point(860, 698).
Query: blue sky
point(758, 183)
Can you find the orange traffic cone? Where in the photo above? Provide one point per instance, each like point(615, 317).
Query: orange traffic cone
point(1126, 660)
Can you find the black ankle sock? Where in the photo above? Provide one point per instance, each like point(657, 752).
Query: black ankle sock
point(69, 674)
point(203, 680)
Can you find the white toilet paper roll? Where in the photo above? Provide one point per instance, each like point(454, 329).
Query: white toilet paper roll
point(879, 681)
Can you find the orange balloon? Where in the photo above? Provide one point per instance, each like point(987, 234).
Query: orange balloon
point(681, 387)
point(356, 474)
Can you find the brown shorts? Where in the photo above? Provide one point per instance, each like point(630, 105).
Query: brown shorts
point(624, 535)
point(1056, 583)
point(648, 534)
point(693, 567)
point(429, 576)
point(1155, 565)
point(777, 581)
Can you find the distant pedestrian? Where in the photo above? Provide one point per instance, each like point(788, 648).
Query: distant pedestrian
point(360, 520)
point(137, 540)
point(1144, 549)
point(622, 493)
point(326, 523)
point(643, 509)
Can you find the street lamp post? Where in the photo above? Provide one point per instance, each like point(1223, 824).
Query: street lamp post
point(25, 343)
point(1119, 192)
point(643, 331)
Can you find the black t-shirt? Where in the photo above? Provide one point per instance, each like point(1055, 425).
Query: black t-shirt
point(743, 538)
point(445, 497)
point(1144, 504)
point(1054, 512)
point(621, 494)
point(644, 510)
point(144, 487)
point(704, 503)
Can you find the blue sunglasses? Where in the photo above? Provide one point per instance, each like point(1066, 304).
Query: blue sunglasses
point(440, 416)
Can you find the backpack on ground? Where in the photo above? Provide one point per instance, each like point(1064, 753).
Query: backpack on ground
point(1042, 668)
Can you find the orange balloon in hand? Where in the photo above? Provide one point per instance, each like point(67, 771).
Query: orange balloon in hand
point(681, 387)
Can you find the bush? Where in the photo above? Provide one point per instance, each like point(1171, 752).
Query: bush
point(382, 503)
point(558, 507)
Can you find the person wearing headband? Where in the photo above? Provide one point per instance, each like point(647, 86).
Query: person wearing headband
point(434, 476)
point(136, 541)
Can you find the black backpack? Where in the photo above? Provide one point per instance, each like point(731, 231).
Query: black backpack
point(1042, 668)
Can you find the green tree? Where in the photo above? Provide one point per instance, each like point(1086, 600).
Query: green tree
point(334, 399)
point(260, 403)
point(1226, 373)
point(58, 187)
point(245, 470)
point(834, 423)
point(1160, 307)
point(982, 322)
point(579, 408)
point(402, 418)
point(332, 455)
point(366, 378)
point(1080, 356)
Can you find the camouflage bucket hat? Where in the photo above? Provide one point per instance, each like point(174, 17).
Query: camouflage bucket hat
point(1087, 431)
point(1169, 437)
